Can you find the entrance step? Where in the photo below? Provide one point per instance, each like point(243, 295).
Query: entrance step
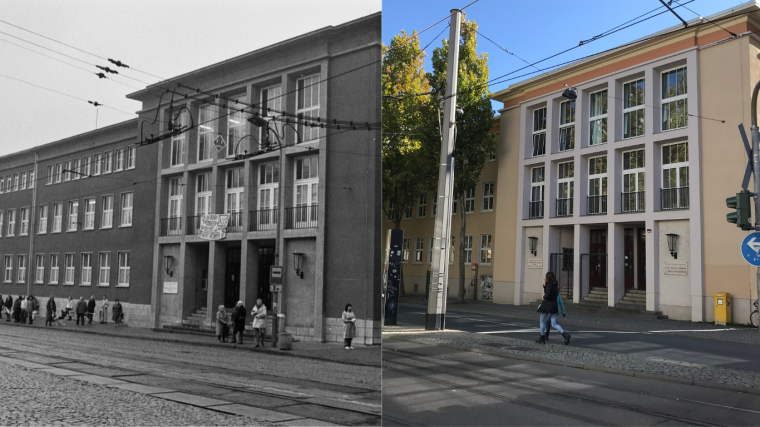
point(633, 304)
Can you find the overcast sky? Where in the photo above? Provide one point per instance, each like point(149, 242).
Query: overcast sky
point(165, 38)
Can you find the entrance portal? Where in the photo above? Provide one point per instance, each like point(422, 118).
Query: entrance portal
point(232, 278)
point(635, 259)
point(266, 260)
point(641, 259)
point(597, 276)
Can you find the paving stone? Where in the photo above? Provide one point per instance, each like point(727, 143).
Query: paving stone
point(256, 413)
point(306, 422)
point(62, 372)
point(140, 388)
point(191, 399)
point(95, 379)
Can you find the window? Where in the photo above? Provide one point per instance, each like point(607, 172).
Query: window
point(469, 200)
point(67, 170)
point(57, 217)
point(567, 125)
point(485, 249)
point(306, 190)
point(633, 108)
point(468, 249)
point(566, 172)
point(15, 182)
point(77, 168)
point(97, 164)
point(407, 212)
point(419, 247)
point(31, 176)
point(675, 176)
point(539, 132)
point(488, 197)
point(235, 129)
point(21, 262)
point(73, 216)
point(86, 279)
point(537, 192)
point(430, 250)
point(492, 153)
point(23, 181)
point(633, 181)
point(39, 270)
point(202, 194)
point(233, 201)
point(391, 209)
point(24, 214)
point(126, 209)
point(307, 107)
point(207, 117)
point(2, 219)
point(271, 105)
point(422, 206)
point(175, 206)
point(86, 167)
point(269, 193)
point(89, 214)
point(69, 277)
point(106, 220)
point(104, 264)
point(8, 272)
point(434, 208)
point(178, 143)
point(598, 117)
point(49, 177)
point(2, 184)
point(674, 102)
point(119, 159)
point(124, 267)
point(405, 251)
point(11, 223)
point(451, 250)
point(131, 153)
point(107, 162)
point(43, 222)
point(597, 185)
point(54, 269)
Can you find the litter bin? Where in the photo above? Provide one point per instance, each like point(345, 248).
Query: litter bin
point(285, 340)
point(722, 308)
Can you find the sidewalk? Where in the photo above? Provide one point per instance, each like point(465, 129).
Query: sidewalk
point(332, 352)
point(737, 333)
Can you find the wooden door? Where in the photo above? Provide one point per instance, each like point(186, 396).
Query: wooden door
point(598, 259)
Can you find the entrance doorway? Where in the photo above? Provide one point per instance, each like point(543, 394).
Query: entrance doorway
point(629, 261)
point(597, 277)
point(635, 263)
point(641, 259)
point(266, 260)
point(232, 278)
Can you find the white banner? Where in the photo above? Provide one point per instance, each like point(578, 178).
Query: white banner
point(213, 226)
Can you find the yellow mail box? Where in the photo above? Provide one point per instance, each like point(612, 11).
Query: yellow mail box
point(722, 308)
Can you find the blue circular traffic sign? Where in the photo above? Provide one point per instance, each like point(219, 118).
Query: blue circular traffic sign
point(751, 249)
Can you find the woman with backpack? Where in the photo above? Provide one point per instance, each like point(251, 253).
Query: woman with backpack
point(549, 309)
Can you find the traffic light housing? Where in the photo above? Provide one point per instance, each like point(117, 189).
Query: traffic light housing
point(743, 205)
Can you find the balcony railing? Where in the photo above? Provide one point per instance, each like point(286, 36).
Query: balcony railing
point(632, 201)
point(597, 205)
point(235, 224)
point(565, 207)
point(265, 219)
point(536, 209)
point(193, 225)
point(674, 198)
point(171, 226)
point(301, 217)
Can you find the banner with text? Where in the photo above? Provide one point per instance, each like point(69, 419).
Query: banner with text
point(213, 226)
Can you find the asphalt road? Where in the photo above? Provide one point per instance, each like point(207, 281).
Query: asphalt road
point(650, 344)
point(426, 385)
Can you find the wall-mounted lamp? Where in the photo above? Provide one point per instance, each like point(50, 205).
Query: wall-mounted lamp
point(168, 261)
point(297, 261)
point(569, 93)
point(533, 244)
point(673, 244)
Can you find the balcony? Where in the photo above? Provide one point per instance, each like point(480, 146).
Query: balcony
point(171, 226)
point(632, 201)
point(235, 224)
point(674, 198)
point(265, 219)
point(536, 209)
point(597, 205)
point(565, 207)
point(301, 217)
point(193, 225)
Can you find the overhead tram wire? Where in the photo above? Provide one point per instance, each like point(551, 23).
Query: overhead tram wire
point(701, 17)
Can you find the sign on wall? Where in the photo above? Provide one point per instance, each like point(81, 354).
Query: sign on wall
point(213, 226)
point(171, 287)
point(676, 269)
point(275, 275)
point(535, 262)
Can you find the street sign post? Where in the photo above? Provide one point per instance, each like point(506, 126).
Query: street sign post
point(751, 249)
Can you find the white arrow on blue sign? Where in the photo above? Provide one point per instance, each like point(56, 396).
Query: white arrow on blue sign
point(751, 249)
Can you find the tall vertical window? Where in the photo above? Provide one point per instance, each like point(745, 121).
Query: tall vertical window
point(104, 264)
point(31, 176)
point(675, 176)
point(207, 117)
point(567, 125)
point(202, 194)
point(536, 193)
point(488, 197)
point(271, 105)
point(49, 177)
point(131, 153)
point(430, 250)
point(39, 268)
point(565, 184)
point(77, 168)
point(306, 189)
point(8, 271)
point(422, 205)
point(451, 250)
point(86, 167)
point(42, 224)
point(633, 108)
point(598, 117)
point(419, 248)
point(175, 206)
point(268, 200)
point(233, 201)
point(2, 184)
point(405, 251)
point(23, 180)
point(107, 162)
point(178, 142)
point(469, 200)
point(67, 170)
point(2, 219)
point(57, 217)
point(485, 249)
point(434, 206)
point(124, 268)
point(15, 182)
point(97, 164)
point(54, 269)
point(11, 223)
point(23, 213)
point(106, 220)
point(468, 249)
point(391, 209)
point(408, 212)
point(126, 209)
point(86, 278)
point(68, 278)
point(597, 185)
point(235, 129)
point(307, 107)
point(633, 181)
point(73, 215)
point(118, 155)
point(89, 214)
point(539, 132)
point(21, 262)
point(674, 102)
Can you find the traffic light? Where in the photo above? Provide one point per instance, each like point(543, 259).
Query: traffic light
point(743, 205)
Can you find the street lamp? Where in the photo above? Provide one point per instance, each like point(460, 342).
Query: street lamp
point(297, 263)
point(673, 244)
point(569, 93)
point(168, 261)
point(533, 244)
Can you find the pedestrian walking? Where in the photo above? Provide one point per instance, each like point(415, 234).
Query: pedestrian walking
point(33, 307)
point(549, 309)
point(222, 324)
point(81, 310)
point(259, 314)
point(238, 317)
point(17, 310)
point(90, 309)
point(118, 313)
point(24, 304)
point(8, 308)
point(349, 326)
point(70, 308)
point(50, 306)
point(548, 319)
point(104, 310)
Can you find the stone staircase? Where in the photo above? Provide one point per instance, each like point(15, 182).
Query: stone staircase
point(197, 324)
point(633, 304)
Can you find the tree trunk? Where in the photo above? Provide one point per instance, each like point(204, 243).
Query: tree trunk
point(462, 288)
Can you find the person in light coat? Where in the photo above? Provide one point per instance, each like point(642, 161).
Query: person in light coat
point(70, 307)
point(24, 304)
point(349, 326)
point(259, 314)
point(222, 324)
point(104, 310)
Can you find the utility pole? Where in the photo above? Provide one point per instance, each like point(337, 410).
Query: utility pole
point(439, 275)
point(756, 169)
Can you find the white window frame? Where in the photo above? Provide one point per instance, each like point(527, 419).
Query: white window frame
point(488, 193)
point(73, 216)
point(603, 180)
point(21, 265)
point(203, 194)
point(67, 171)
point(539, 131)
point(677, 166)
point(57, 219)
point(104, 268)
point(422, 205)
point(49, 177)
point(55, 269)
point(86, 266)
point(69, 270)
point(207, 129)
point(127, 209)
point(233, 195)
point(8, 269)
point(39, 268)
point(269, 193)
point(107, 162)
point(391, 209)
point(307, 188)
point(469, 200)
point(42, 224)
point(665, 103)
point(433, 205)
point(11, 223)
point(2, 222)
point(2, 184)
point(175, 205)
point(77, 168)
point(405, 250)
point(430, 250)
point(419, 250)
point(97, 164)
point(235, 129)
point(468, 249)
point(131, 157)
point(178, 143)
point(23, 214)
point(566, 186)
point(125, 261)
point(90, 207)
point(86, 166)
point(408, 212)
point(535, 184)
point(566, 125)
point(106, 218)
point(305, 112)
point(635, 111)
point(31, 176)
point(23, 181)
point(485, 249)
point(15, 181)
point(271, 105)
point(118, 159)
point(600, 117)
point(639, 175)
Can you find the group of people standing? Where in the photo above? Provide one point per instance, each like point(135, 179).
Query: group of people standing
point(26, 308)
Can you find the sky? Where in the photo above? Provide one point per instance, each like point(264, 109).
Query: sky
point(164, 38)
point(534, 33)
